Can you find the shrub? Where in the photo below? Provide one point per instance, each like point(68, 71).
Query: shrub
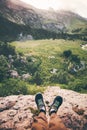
point(3, 67)
point(61, 77)
point(33, 64)
point(33, 89)
point(75, 58)
point(13, 87)
point(6, 49)
point(67, 53)
point(37, 78)
point(79, 85)
point(72, 57)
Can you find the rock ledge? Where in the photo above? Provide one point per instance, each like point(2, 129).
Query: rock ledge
point(16, 111)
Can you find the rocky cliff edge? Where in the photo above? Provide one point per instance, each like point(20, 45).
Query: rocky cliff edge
point(16, 112)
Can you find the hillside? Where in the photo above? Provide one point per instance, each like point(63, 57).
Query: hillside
point(51, 21)
point(16, 112)
point(11, 31)
point(42, 62)
point(50, 64)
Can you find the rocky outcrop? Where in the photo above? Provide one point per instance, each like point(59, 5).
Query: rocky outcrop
point(13, 74)
point(16, 112)
point(84, 47)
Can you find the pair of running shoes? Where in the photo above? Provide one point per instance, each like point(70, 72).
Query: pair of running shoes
point(53, 108)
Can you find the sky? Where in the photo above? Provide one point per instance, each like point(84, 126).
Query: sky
point(77, 6)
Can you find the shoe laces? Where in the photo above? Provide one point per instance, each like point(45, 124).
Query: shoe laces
point(40, 102)
point(56, 104)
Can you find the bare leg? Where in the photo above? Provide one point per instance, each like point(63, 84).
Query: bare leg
point(40, 122)
point(56, 123)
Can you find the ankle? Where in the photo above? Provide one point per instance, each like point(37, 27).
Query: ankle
point(42, 111)
point(53, 114)
point(42, 114)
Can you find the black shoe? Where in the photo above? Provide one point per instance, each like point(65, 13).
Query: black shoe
point(55, 105)
point(40, 103)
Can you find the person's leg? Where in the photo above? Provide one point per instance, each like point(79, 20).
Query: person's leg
point(55, 122)
point(40, 122)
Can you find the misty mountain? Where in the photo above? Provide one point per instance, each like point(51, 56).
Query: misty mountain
point(22, 17)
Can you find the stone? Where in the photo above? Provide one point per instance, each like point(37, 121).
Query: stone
point(85, 114)
point(12, 113)
point(10, 104)
point(79, 111)
point(16, 112)
point(7, 126)
point(13, 74)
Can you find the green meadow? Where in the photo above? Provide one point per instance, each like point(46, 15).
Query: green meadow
point(46, 63)
point(55, 67)
point(47, 47)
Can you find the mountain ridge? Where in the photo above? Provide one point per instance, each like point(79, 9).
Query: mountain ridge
point(52, 21)
point(24, 8)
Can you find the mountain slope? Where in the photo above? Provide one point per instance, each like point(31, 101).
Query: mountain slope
point(54, 21)
point(10, 31)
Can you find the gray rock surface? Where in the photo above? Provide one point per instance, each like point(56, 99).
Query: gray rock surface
point(16, 112)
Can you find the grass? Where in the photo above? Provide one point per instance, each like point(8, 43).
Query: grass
point(77, 24)
point(50, 52)
point(33, 89)
point(19, 87)
point(46, 48)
